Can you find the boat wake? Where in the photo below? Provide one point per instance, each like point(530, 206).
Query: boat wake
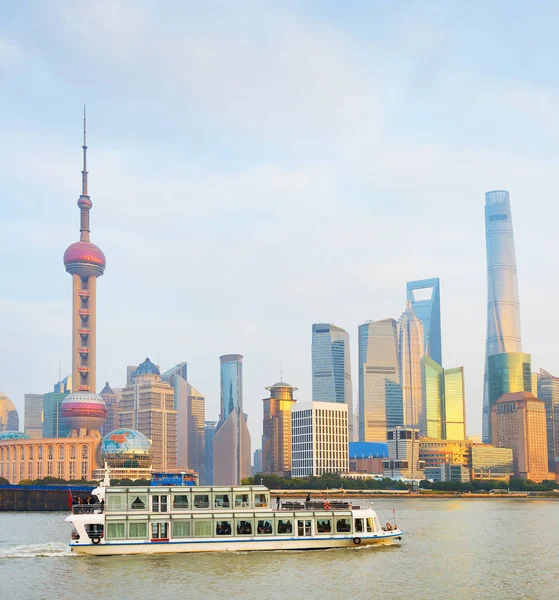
point(35, 550)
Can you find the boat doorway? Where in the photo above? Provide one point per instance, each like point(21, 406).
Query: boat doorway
point(304, 528)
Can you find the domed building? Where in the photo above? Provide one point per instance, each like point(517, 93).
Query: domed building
point(147, 369)
point(84, 413)
point(9, 419)
point(127, 453)
point(13, 435)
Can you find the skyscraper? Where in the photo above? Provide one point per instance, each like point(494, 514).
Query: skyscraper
point(548, 391)
point(276, 430)
point(432, 416)
point(425, 298)
point(454, 404)
point(410, 344)
point(503, 309)
point(9, 420)
point(232, 451)
point(112, 401)
point(209, 433)
point(85, 262)
point(380, 390)
point(33, 418)
point(53, 424)
point(331, 367)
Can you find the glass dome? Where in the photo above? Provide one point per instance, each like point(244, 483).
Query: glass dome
point(126, 449)
point(147, 368)
point(13, 435)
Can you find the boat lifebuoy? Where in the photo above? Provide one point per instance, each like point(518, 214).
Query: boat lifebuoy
point(96, 540)
point(356, 541)
point(327, 505)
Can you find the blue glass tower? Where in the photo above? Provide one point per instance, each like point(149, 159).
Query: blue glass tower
point(425, 298)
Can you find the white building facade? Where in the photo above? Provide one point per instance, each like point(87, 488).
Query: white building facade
point(319, 439)
point(403, 454)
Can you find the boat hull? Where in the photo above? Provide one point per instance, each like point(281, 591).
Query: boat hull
point(233, 545)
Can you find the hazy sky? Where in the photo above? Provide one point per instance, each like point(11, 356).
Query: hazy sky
point(259, 166)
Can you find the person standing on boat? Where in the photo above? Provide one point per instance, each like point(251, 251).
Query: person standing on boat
point(308, 498)
point(278, 502)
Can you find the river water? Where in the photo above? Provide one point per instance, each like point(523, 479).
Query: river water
point(453, 549)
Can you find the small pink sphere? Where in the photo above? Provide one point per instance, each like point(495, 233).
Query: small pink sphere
point(83, 410)
point(84, 259)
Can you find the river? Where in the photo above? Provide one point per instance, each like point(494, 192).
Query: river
point(497, 549)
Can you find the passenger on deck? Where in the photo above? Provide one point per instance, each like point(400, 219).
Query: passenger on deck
point(308, 498)
point(278, 502)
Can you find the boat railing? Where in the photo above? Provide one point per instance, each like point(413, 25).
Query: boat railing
point(317, 505)
point(88, 509)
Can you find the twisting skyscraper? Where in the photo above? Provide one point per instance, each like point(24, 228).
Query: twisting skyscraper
point(503, 312)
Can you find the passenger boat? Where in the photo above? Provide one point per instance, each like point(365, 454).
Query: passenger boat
point(183, 518)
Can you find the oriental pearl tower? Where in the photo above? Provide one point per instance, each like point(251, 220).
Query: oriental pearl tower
point(83, 410)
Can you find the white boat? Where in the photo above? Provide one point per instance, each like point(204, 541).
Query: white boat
point(170, 519)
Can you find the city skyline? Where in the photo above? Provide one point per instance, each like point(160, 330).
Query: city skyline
point(190, 182)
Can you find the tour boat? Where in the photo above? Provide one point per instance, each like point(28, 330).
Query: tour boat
point(183, 518)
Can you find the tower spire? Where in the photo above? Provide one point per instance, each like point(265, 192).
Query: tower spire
point(84, 172)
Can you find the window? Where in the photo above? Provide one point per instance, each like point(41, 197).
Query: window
point(116, 502)
point(370, 525)
point(242, 500)
point(73, 454)
point(201, 501)
point(116, 531)
point(39, 452)
point(265, 527)
point(181, 529)
point(202, 528)
point(50, 452)
point(244, 527)
point(84, 468)
point(61, 453)
point(358, 526)
point(285, 526)
point(159, 503)
point(85, 452)
point(30, 452)
point(304, 528)
point(260, 500)
point(223, 527)
point(138, 502)
point(180, 501)
point(323, 526)
point(222, 501)
point(159, 530)
point(344, 525)
point(137, 530)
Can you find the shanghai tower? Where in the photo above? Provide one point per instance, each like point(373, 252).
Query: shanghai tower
point(503, 311)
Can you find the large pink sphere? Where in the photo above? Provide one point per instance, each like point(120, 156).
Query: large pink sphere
point(84, 259)
point(83, 410)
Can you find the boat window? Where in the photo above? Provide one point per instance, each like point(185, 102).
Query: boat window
point(265, 527)
point(138, 501)
point(202, 528)
point(116, 502)
point(159, 530)
point(181, 529)
point(343, 525)
point(116, 531)
point(201, 501)
point(370, 525)
point(180, 501)
point(223, 528)
point(138, 530)
point(323, 526)
point(222, 501)
point(242, 500)
point(244, 527)
point(285, 526)
point(358, 526)
point(260, 500)
point(304, 528)
point(159, 503)
point(94, 530)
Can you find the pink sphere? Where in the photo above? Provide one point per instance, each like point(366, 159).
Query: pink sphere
point(83, 410)
point(84, 259)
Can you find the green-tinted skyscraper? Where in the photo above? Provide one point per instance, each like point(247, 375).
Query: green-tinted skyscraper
point(53, 426)
point(507, 372)
point(454, 404)
point(432, 388)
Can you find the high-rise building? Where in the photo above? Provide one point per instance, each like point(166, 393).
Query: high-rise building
point(518, 422)
point(130, 370)
point(33, 417)
point(319, 439)
point(380, 390)
point(548, 391)
point(425, 298)
point(454, 404)
point(147, 405)
point(190, 405)
point(403, 460)
point(433, 397)
point(54, 425)
point(276, 430)
point(232, 451)
point(9, 419)
point(490, 463)
point(503, 308)
point(209, 433)
point(331, 367)
point(505, 373)
point(257, 462)
point(112, 402)
point(410, 344)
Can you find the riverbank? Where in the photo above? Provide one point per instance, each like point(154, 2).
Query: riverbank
point(427, 494)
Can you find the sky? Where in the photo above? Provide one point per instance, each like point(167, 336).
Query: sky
point(256, 167)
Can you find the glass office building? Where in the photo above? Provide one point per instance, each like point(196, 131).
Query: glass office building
point(503, 309)
point(548, 391)
point(424, 297)
point(331, 367)
point(507, 372)
point(454, 404)
point(380, 390)
point(410, 344)
point(433, 398)
point(231, 369)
